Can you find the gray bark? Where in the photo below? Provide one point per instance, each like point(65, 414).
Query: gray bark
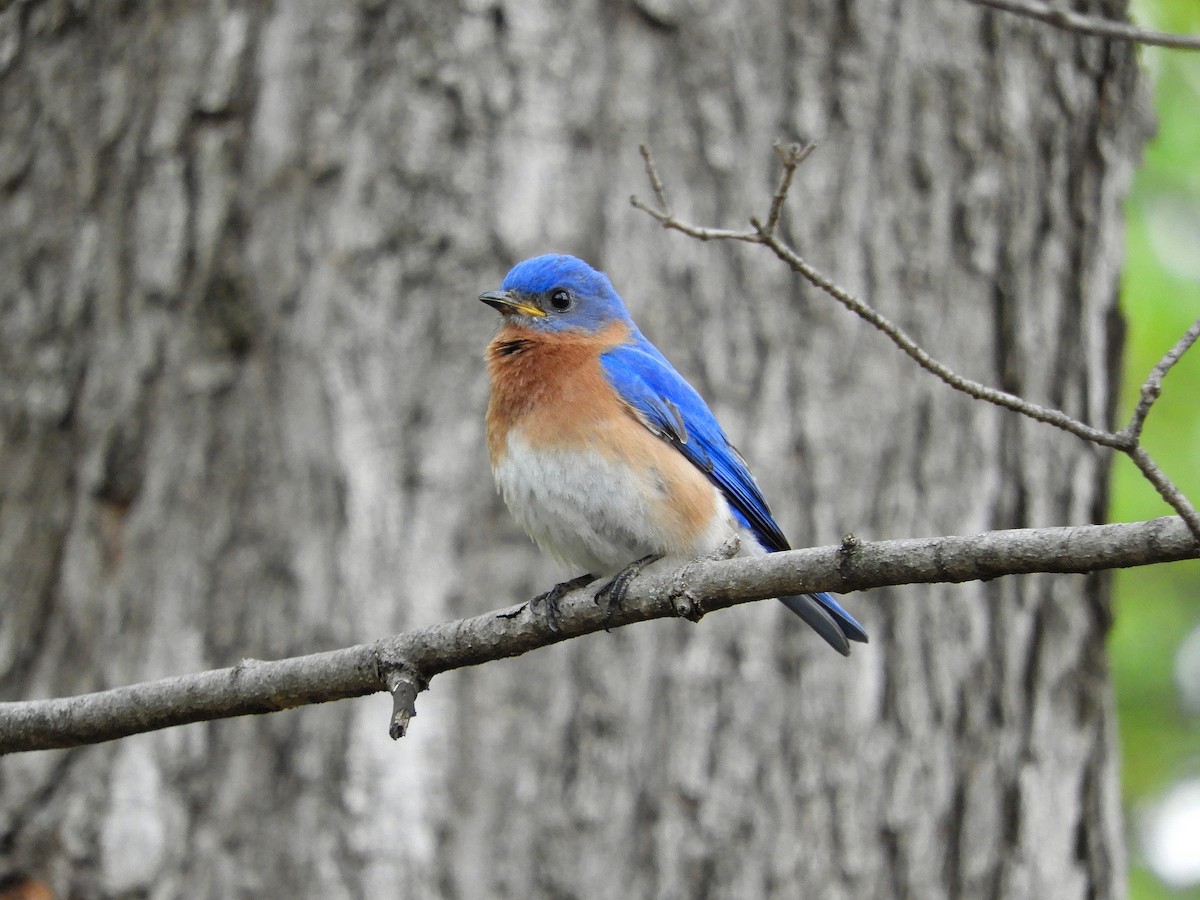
point(404, 664)
point(241, 396)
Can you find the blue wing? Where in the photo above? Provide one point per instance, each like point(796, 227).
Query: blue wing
point(671, 408)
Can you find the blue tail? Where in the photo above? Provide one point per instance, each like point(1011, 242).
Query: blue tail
point(826, 617)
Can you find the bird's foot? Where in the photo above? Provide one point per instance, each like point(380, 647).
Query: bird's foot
point(612, 595)
point(545, 606)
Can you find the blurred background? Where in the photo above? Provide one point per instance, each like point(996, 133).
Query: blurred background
point(1156, 641)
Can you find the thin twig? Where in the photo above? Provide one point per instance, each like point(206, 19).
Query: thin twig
point(1152, 386)
point(699, 233)
point(1092, 25)
point(404, 663)
point(655, 182)
point(1166, 488)
point(663, 212)
point(790, 157)
point(1126, 440)
point(762, 235)
point(1050, 416)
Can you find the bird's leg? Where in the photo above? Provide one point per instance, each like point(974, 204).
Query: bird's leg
point(545, 605)
point(612, 595)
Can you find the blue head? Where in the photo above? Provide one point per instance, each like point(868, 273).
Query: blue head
point(555, 293)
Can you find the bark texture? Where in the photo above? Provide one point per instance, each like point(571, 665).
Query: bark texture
point(242, 395)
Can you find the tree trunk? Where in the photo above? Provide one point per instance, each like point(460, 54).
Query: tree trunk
point(242, 407)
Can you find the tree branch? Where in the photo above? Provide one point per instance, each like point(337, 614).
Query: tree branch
point(901, 339)
point(404, 663)
point(1152, 386)
point(1068, 20)
point(1126, 441)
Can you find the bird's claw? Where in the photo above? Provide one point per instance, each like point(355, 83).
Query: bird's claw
point(545, 605)
point(612, 595)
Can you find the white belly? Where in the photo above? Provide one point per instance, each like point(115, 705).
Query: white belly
point(594, 512)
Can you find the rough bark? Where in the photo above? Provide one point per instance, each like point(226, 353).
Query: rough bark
point(242, 407)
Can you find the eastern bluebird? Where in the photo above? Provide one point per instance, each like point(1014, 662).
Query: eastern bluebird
point(603, 452)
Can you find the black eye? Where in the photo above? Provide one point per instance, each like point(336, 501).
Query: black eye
point(560, 299)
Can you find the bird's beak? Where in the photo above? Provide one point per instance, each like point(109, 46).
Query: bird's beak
point(505, 302)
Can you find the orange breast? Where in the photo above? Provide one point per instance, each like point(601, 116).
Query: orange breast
point(550, 386)
point(552, 391)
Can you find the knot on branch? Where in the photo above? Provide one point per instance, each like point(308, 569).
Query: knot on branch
point(848, 550)
point(687, 605)
point(683, 599)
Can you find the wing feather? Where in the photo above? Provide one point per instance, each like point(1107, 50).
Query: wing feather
point(670, 407)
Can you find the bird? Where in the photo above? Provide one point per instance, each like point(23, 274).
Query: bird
point(604, 453)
